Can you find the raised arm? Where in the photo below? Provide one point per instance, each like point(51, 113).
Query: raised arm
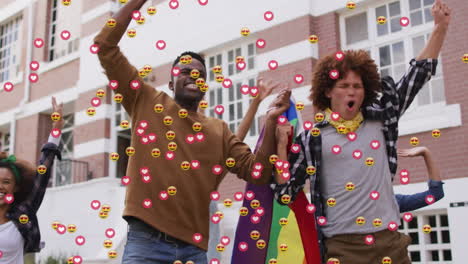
point(116, 66)
point(265, 89)
point(49, 151)
point(245, 160)
point(441, 13)
point(435, 188)
point(283, 132)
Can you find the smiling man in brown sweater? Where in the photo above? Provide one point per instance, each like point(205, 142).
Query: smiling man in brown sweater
point(165, 227)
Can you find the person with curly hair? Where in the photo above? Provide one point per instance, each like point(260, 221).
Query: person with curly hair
point(22, 189)
point(350, 157)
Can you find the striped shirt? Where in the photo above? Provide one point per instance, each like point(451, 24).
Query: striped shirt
point(395, 99)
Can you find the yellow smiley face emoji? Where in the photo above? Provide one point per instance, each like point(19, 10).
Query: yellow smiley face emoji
point(183, 113)
point(200, 82)
point(230, 162)
point(185, 165)
point(261, 244)
point(360, 221)
point(436, 133)
point(310, 170)
point(71, 228)
point(124, 124)
point(273, 158)
point(319, 117)
point(158, 108)
point(197, 126)
point(254, 204)
point(107, 243)
point(112, 254)
point(171, 190)
point(300, 106)
point(170, 135)
point(386, 260)
point(349, 186)
point(66, 2)
point(23, 219)
point(204, 87)
point(194, 73)
point(315, 131)
point(414, 141)
point(142, 73)
point(203, 104)
point(55, 116)
point(227, 203)
point(220, 247)
point(313, 39)
point(254, 234)
point(141, 20)
point(243, 211)
point(341, 129)
point(100, 93)
point(130, 151)
point(41, 169)
point(131, 33)
point(370, 161)
point(283, 221)
point(147, 68)
point(156, 153)
point(285, 199)
point(426, 229)
point(217, 69)
point(283, 247)
point(90, 111)
point(118, 98)
point(111, 22)
point(114, 156)
point(377, 222)
point(103, 215)
point(172, 146)
point(465, 58)
point(350, 5)
point(331, 202)
point(245, 31)
point(168, 120)
point(151, 10)
point(219, 78)
point(381, 20)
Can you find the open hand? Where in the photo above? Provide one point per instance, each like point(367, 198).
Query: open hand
point(280, 104)
point(413, 152)
point(59, 109)
point(265, 88)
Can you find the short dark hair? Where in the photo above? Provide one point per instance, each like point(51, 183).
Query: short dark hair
point(191, 53)
point(358, 61)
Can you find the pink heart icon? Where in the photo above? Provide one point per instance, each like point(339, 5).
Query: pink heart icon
point(160, 44)
point(197, 237)
point(135, 84)
point(80, 240)
point(95, 204)
point(65, 35)
point(273, 65)
point(217, 169)
point(351, 136)
point(240, 65)
point(404, 21)
point(310, 208)
point(173, 4)
point(95, 101)
point(245, 89)
point(308, 125)
point(256, 174)
point(298, 78)
point(225, 240)
point(34, 65)
point(357, 154)
point(214, 196)
point(219, 109)
point(334, 74)
point(243, 246)
point(38, 43)
point(125, 180)
point(203, 2)
point(110, 233)
point(227, 83)
point(175, 71)
point(369, 239)
point(136, 14)
point(322, 220)
point(8, 87)
point(94, 49)
point(336, 149)
point(113, 84)
point(261, 43)
point(147, 203)
point(374, 195)
point(33, 77)
point(375, 144)
point(238, 196)
point(392, 226)
point(268, 15)
point(339, 56)
point(249, 195)
point(55, 133)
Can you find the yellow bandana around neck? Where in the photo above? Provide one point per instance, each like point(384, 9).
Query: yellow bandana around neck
point(344, 126)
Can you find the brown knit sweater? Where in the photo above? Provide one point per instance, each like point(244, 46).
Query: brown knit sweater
point(186, 213)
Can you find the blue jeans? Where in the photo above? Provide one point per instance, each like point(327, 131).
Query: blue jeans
point(146, 245)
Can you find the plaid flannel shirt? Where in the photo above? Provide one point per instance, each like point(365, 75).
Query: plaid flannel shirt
point(30, 231)
point(396, 98)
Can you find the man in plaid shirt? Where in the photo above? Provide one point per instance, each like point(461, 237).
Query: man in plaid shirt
point(350, 171)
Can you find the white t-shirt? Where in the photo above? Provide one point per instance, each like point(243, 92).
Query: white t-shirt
point(11, 244)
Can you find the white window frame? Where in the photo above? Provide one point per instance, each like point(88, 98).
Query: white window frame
point(242, 77)
point(417, 118)
point(424, 247)
point(13, 49)
point(5, 141)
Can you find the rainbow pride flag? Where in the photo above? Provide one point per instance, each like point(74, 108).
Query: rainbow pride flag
point(299, 234)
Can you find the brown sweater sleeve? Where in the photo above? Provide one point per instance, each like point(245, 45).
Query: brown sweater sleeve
point(245, 159)
point(117, 67)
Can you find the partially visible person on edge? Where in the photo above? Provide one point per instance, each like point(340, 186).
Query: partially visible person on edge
point(22, 189)
point(435, 190)
point(166, 228)
point(241, 132)
point(355, 146)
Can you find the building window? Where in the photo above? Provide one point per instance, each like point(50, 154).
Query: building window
point(234, 102)
point(59, 21)
point(392, 12)
point(10, 48)
point(433, 247)
point(65, 169)
point(420, 11)
point(356, 28)
point(392, 46)
point(5, 141)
